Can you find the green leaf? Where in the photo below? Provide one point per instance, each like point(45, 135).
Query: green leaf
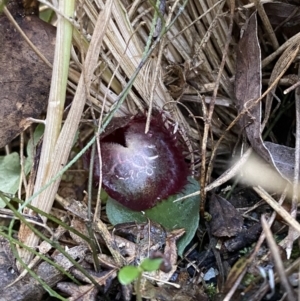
point(2, 4)
point(46, 15)
point(151, 265)
point(9, 174)
point(182, 214)
point(39, 131)
point(32, 143)
point(10, 169)
point(128, 274)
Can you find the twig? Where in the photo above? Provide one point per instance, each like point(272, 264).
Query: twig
point(277, 260)
point(267, 24)
point(19, 29)
point(278, 208)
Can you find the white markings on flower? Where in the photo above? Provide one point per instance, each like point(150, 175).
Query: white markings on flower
point(175, 128)
point(153, 158)
point(135, 166)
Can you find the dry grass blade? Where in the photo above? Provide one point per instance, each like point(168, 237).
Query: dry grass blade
point(278, 208)
point(277, 261)
point(294, 40)
point(267, 24)
point(283, 63)
point(101, 228)
point(54, 117)
point(10, 17)
point(295, 197)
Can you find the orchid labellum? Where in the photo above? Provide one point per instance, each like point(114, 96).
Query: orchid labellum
point(140, 169)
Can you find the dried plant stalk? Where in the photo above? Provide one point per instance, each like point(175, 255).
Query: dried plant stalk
point(64, 143)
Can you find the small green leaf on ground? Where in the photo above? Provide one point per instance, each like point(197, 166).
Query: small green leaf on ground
point(38, 133)
point(9, 174)
point(10, 169)
point(32, 143)
point(151, 265)
point(128, 274)
point(182, 214)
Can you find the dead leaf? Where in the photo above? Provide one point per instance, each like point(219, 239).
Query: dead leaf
point(24, 77)
point(248, 73)
point(248, 88)
point(283, 157)
point(169, 264)
point(147, 236)
point(189, 291)
point(226, 220)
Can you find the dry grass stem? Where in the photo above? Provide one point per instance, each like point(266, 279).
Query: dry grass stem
point(277, 261)
point(278, 208)
point(64, 143)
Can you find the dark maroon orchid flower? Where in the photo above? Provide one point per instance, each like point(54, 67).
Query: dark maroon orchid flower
point(138, 169)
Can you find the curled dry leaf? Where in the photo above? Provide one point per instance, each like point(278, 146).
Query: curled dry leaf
point(24, 77)
point(248, 88)
point(226, 220)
